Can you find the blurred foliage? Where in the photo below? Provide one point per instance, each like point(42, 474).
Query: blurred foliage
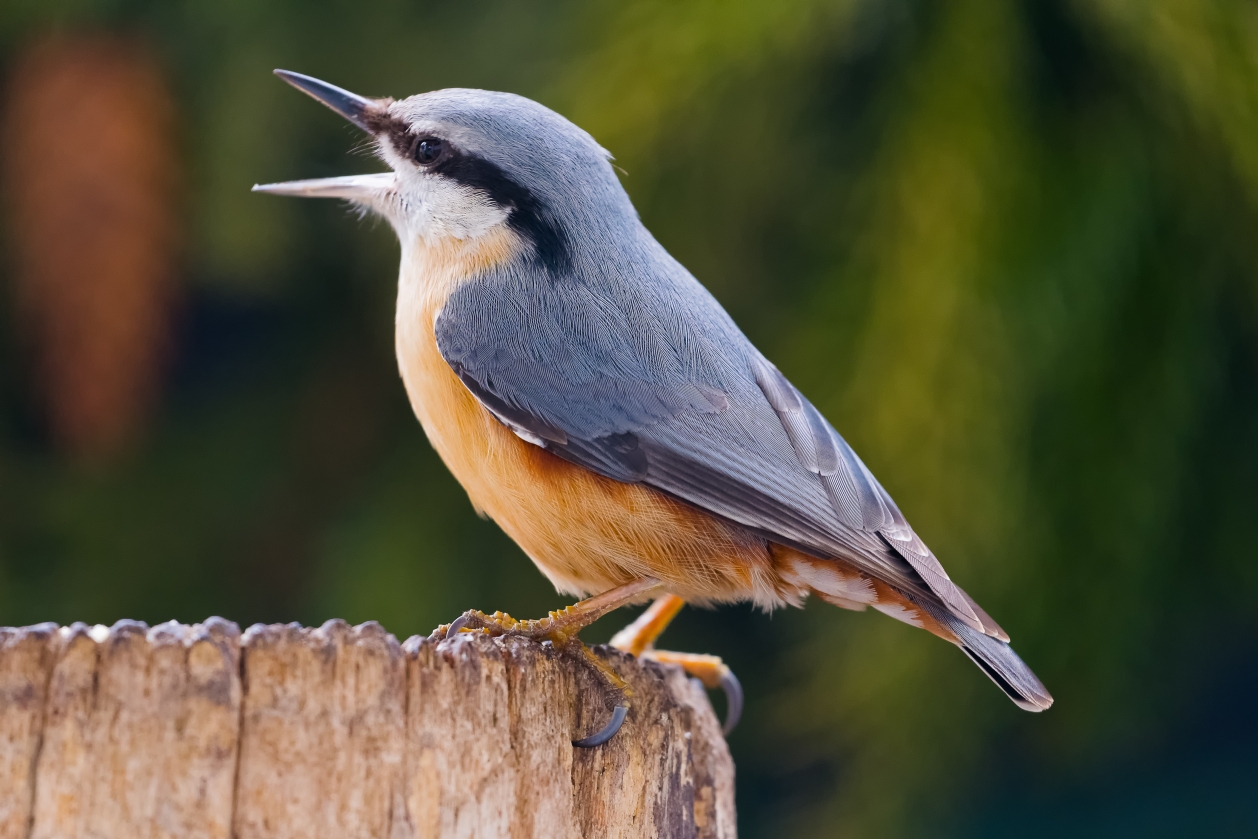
point(1008, 248)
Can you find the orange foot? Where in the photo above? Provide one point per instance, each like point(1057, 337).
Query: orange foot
point(561, 629)
point(638, 638)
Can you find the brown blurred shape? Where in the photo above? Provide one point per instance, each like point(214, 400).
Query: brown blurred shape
point(90, 172)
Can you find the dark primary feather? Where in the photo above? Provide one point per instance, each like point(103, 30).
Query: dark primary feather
point(630, 368)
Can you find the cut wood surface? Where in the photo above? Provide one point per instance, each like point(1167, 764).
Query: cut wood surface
point(290, 732)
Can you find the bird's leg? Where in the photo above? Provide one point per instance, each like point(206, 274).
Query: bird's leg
point(561, 629)
point(638, 638)
point(641, 634)
point(615, 686)
point(714, 674)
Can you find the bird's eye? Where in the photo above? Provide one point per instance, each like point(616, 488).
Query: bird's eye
point(427, 150)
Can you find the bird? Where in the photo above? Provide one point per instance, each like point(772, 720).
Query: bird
point(596, 401)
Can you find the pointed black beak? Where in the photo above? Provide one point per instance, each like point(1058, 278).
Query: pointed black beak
point(349, 105)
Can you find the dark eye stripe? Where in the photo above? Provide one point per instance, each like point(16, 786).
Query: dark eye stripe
point(529, 216)
point(389, 128)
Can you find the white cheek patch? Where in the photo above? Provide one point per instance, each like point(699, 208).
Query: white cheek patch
point(432, 206)
point(438, 208)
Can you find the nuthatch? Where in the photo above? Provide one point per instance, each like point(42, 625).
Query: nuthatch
point(598, 403)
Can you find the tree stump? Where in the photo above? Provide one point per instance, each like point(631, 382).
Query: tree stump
point(341, 732)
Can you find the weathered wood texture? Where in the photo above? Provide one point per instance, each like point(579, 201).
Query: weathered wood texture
point(288, 732)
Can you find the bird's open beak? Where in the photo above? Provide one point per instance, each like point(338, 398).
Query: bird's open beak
point(354, 108)
point(351, 187)
point(349, 105)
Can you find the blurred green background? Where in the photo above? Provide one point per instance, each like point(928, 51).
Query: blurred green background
point(1010, 249)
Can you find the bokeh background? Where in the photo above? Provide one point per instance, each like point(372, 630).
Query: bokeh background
point(1010, 248)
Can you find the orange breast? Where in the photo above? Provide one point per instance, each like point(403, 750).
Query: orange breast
point(587, 533)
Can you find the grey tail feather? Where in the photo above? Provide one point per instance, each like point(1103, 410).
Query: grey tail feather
point(1001, 664)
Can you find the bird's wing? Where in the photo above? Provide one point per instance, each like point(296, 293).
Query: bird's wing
point(658, 386)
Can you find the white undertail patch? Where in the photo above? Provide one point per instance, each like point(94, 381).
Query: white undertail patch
point(832, 584)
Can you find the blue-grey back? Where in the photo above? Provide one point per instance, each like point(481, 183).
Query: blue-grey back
point(616, 358)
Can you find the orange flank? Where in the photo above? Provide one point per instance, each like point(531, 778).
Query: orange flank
point(587, 533)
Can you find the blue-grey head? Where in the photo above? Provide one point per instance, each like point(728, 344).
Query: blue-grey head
point(465, 163)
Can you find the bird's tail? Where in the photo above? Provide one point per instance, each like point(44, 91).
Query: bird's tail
point(997, 659)
point(1002, 665)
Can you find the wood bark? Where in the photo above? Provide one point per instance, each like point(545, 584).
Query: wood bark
point(291, 732)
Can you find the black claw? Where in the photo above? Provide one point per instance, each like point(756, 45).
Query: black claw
point(458, 624)
point(618, 719)
point(733, 701)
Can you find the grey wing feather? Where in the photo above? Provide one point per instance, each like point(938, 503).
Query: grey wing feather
point(860, 501)
point(657, 385)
